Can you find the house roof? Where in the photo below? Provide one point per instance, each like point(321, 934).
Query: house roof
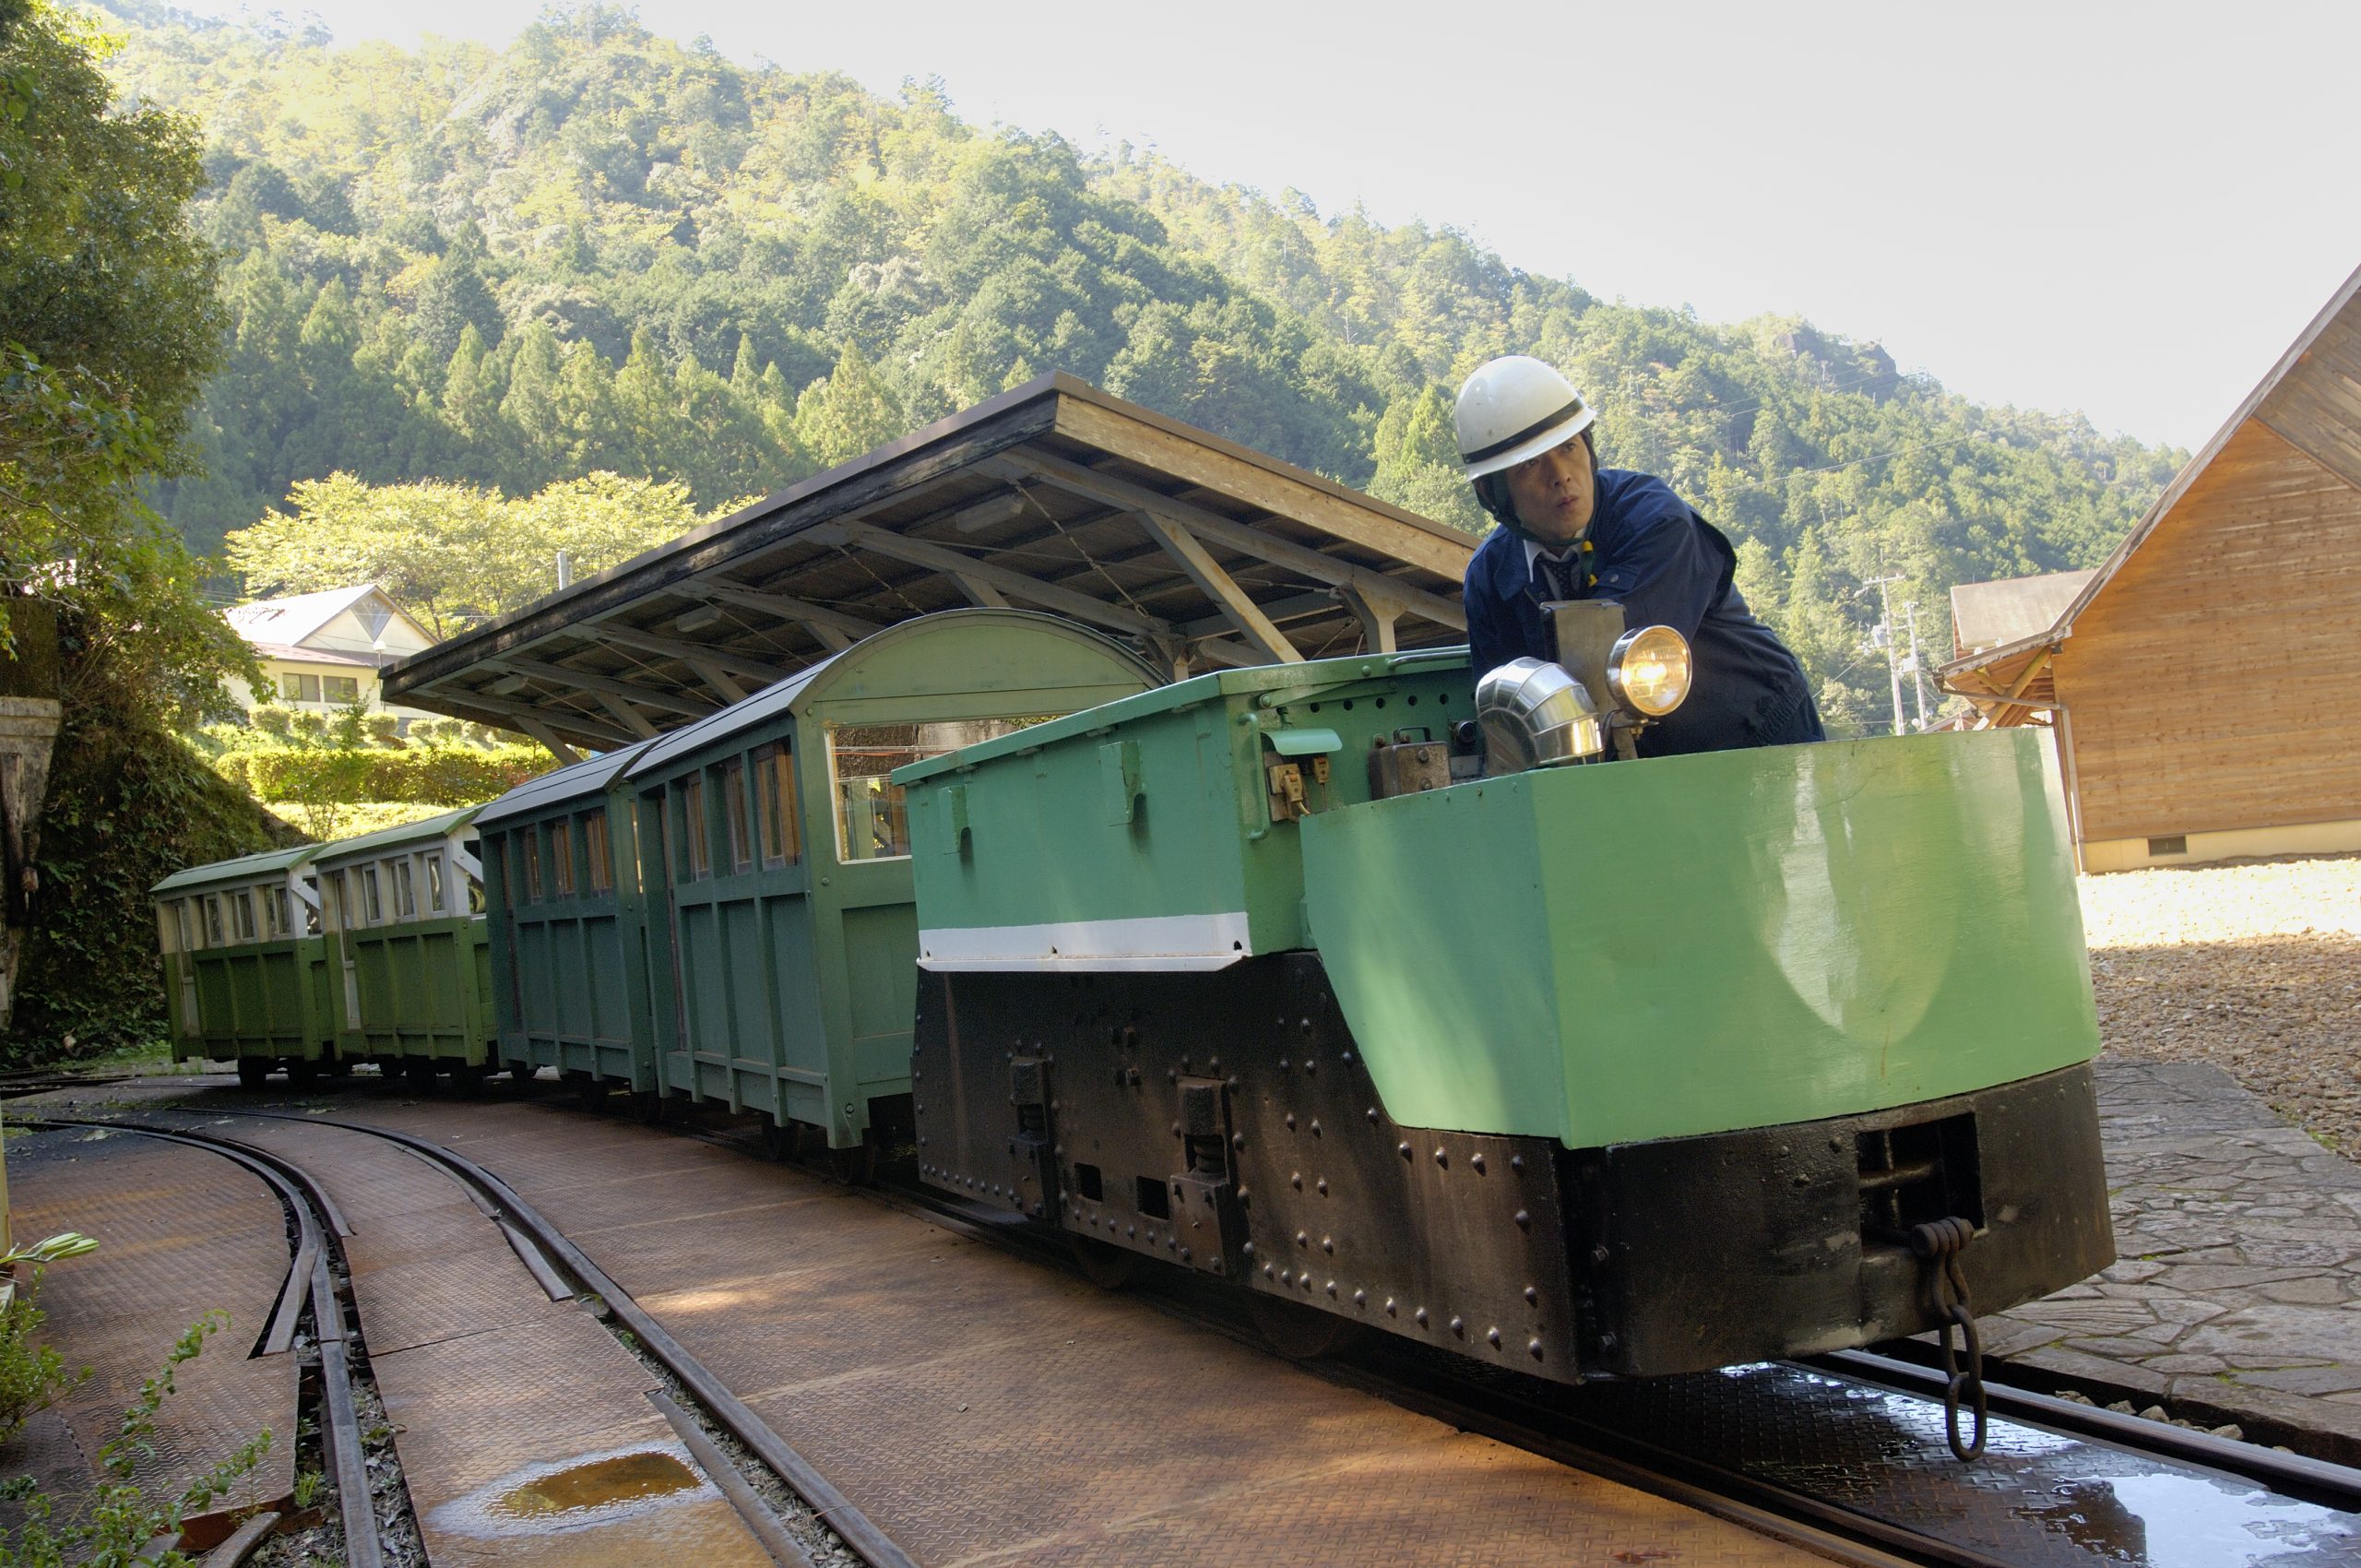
point(1054, 495)
point(1991, 614)
point(2311, 399)
point(293, 621)
point(293, 655)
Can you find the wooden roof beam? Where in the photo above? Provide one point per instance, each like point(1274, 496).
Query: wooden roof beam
point(836, 629)
point(628, 716)
point(1228, 532)
point(716, 677)
point(604, 685)
point(566, 756)
point(737, 664)
point(1016, 584)
point(508, 714)
point(1221, 587)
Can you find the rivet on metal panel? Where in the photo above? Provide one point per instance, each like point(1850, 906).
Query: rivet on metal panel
point(1266, 1271)
point(1305, 1281)
point(1532, 1295)
point(1238, 1140)
point(1248, 1249)
point(1212, 1064)
point(1372, 1114)
point(1311, 1066)
point(1516, 1163)
point(1133, 1231)
point(1290, 1120)
point(921, 1140)
point(1302, 1239)
point(1391, 1310)
point(1405, 1150)
point(1287, 1276)
point(1306, 1024)
point(1534, 1348)
point(1245, 1194)
point(1315, 1127)
point(1442, 1159)
point(1283, 1064)
point(1360, 1298)
point(1524, 1220)
point(1295, 1180)
point(1421, 1316)
point(1230, 1082)
point(1172, 1077)
point(1476, 1161)
point(1459, 1326)
point(1327, 1243)
point(1176, 1128)
point(1323, 1186)
point(1332, 1288)
point(1185, 1254)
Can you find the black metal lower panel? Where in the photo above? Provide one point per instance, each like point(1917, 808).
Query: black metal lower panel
point(1224, 1123)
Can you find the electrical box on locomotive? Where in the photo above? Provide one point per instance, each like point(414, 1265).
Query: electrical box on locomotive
point(1633, 1068)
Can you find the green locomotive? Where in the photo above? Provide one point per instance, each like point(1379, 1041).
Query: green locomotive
point(1632, 1068)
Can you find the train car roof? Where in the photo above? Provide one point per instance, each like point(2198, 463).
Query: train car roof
point(245, 868)
point(407, 832)
point(576, 781)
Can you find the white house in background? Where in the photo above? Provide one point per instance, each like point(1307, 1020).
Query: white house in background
point(321, 651)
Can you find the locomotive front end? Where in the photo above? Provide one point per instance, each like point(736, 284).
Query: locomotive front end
point(1635, 1067)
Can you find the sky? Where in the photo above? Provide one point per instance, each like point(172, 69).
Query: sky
point(2126, 210)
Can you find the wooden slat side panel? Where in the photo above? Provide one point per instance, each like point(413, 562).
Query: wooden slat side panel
point(2215, 683)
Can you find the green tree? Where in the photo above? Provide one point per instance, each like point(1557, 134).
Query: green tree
point(1417, 462)
point(847, 412)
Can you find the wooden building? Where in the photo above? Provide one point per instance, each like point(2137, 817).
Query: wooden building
point(2205, 682)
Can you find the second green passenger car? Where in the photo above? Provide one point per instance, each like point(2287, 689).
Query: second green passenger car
point(410, 969)
point(775, 854)
point(246, 967)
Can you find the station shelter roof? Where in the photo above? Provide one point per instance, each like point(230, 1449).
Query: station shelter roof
point(2311, 399)
point(1055, 495)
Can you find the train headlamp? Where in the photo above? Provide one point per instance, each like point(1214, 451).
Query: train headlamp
point(1649, 669)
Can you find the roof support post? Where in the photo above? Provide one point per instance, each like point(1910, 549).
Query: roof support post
point(1999, 718)
point(566, 756)
point(1221, 587)
point(1376, 615)
point(627, 716)
point(718, 678)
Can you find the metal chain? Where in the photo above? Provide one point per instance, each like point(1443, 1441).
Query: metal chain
point(1939, 1244)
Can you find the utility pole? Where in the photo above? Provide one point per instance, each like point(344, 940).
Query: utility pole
point(1882, 636)
point(1917, 665)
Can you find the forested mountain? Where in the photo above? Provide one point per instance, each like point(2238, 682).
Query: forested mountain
point(598, 249)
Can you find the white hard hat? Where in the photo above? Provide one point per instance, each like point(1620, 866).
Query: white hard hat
point(1515, 408)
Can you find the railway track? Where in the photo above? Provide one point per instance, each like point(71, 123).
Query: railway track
point(1842, 1455)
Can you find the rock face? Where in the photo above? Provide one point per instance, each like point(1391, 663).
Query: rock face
point(28, 718)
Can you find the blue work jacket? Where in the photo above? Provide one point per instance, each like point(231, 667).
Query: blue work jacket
point(1668, 566)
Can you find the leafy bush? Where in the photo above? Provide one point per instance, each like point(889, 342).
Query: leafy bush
point(120, 1519)
point(129, 804)
point(435, 775)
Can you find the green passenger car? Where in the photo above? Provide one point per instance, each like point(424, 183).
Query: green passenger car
point(568, 926)
point(411, 969)
point(775, 857)
point(245, 966)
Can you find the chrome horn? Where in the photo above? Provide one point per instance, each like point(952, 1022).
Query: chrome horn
point(1534, 715)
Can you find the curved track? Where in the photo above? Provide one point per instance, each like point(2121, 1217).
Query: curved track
point(1842, 1455)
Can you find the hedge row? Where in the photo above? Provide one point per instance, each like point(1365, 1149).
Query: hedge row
point(443, 776)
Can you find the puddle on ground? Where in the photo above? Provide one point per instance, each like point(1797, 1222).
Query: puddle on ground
point(597, 1483)
point(596, 1488)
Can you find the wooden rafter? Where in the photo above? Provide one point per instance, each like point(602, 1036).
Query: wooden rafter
point(673, 648)
point(1221, 587)
point(605, 685)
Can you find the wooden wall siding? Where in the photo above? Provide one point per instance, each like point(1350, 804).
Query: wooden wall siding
point(2215, 683)
point(2317, 405)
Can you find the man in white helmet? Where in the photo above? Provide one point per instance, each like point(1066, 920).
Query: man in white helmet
point(1571, 529)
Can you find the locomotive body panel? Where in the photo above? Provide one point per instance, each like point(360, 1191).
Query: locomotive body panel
point(1695, 944)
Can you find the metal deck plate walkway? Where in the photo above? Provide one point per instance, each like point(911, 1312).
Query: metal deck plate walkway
point(982, 1409)
point(181, 1232)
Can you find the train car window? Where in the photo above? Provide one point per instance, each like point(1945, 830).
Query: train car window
point(872, 824)
point(213, 937)
point(775, 806)
point(695, 830)
point(432, 869)
point(312, 920)
point(373, 908)
point(733, 812)
point(405, 895)
point(531, 840)
point(241, 916)
point(560, 859)
point(183, 916)
point(599, 852)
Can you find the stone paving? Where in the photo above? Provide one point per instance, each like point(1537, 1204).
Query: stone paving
point(2237, 1295)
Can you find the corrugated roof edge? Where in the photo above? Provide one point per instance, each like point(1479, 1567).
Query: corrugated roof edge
point(431, 827)
point(243, 866)
point(1310, 675)
point(573, 783)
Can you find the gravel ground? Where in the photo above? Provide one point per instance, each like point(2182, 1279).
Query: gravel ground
point(2256, 968)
